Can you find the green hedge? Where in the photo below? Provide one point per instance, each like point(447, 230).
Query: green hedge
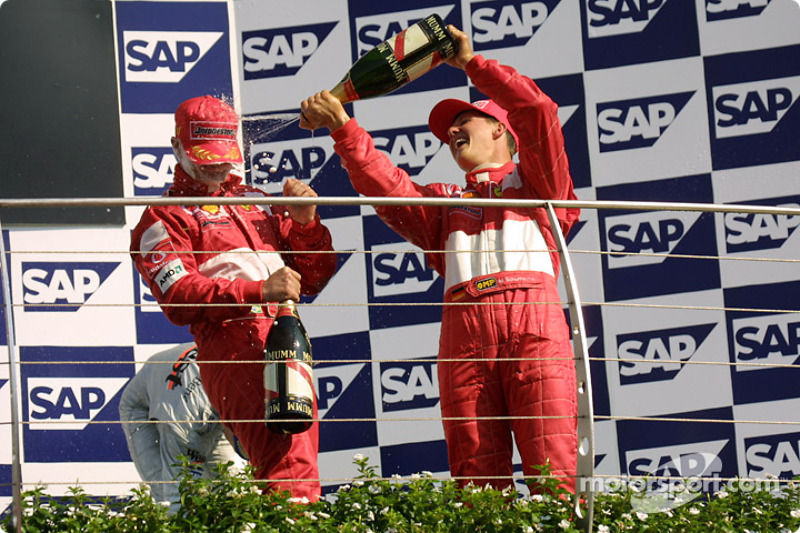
point(419, 504)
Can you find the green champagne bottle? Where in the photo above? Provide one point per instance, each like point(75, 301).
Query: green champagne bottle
point(398, 60)
point(288, 381)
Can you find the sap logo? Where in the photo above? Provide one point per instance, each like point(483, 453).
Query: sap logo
point(746, 232)
point(399, 268)
point(507, 25)
point(752, 108)
point(620, 17)
point(637, 123)
point(729, 9)
point(147, 302)
point(62, 404)
point(640, 239)
point(281, 52)
point(778, 455)
point(153, 169)
point(163, 56)
point(331, 384)
point(291, 159)
point(695, 460)
point(772, 339)
point(373, 30)
point(410, 150)
point(565, 113)
point(658, 355)
point(411, 385)
point(52, 286)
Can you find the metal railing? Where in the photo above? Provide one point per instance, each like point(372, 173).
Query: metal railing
point(586, 478)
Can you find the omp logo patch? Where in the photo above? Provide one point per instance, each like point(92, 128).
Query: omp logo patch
point(746, 232)
point(279, 52)
point(163, 56)
point(409, 385)
point(639, 122)
point(64, 287)
point(620, 17)
point(655, 233)
point(778, 455)
point(658, 355)
point(62, 404)
point(410, 148)
point(153, 170)
point(752, 108)
point(730, 9)
point(374, 29)
point(507, 24)
point(772, 339)
point(399, 268)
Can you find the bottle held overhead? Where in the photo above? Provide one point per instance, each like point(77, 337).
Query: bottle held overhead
point(397, 61)
point(288, 380)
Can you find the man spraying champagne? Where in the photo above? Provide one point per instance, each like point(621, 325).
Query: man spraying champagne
point(505, 361)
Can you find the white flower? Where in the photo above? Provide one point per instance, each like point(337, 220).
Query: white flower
point(414, 476)
point(641, 516)
point(458, 505)
point(427, 473)
point(343, 488)
point(795, 513)
point(304, 500)
point(694, 510)
point(290, 520)
point(537, 498)
point(248, 528)
point(721, 494)
point(602, 528)
point(397, 476)
point(356, 505)
point(358, 457)
point(384, 510)
point(323, 515)
point(357, 483)
point(564, 524)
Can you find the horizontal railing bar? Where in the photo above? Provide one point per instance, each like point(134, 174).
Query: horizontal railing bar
point(380, 201)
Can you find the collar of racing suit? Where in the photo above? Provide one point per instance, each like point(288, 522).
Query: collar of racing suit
point(489, 174)
point(185, 185)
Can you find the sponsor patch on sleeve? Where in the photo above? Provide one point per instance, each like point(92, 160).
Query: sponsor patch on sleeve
point(169, 274)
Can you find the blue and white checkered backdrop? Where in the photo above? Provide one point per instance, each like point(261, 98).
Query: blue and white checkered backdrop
point(660, 100)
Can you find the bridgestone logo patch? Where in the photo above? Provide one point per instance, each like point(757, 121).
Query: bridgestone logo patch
point(210, 131)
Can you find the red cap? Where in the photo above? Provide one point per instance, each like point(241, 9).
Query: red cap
point(208, 129)
point(445, 112)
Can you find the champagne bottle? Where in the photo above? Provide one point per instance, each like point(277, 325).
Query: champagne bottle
point(398, 60)
point(288, 383)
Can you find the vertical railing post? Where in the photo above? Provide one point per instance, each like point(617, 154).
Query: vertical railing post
point(584, 482)
point(13, 372)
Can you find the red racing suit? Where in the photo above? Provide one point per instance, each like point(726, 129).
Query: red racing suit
point(509, 366)
point(219, 255)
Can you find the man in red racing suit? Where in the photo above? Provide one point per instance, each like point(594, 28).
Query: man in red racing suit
point(238, 259)
point(505, 364)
